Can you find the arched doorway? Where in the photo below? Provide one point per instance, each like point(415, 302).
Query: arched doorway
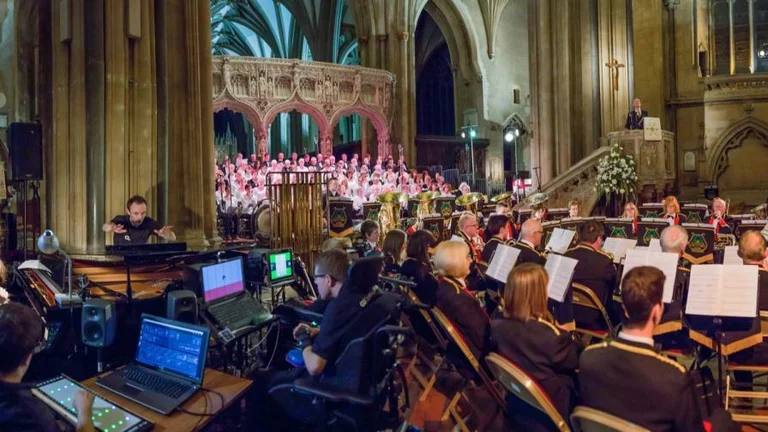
point(293, 132)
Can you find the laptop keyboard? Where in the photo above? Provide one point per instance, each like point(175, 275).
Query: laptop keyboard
point(154, 382)
point(236, 314)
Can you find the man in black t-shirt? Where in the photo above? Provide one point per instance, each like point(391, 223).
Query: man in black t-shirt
point(21, 336)
point(136, 227)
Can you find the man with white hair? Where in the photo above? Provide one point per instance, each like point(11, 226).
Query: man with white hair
point(674, 239)
point(531, 234)
point(717, 217)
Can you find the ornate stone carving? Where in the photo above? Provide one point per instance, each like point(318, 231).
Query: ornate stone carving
point(261, 88)
point(731, 138)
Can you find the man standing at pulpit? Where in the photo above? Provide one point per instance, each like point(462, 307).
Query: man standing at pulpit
point(636, 116)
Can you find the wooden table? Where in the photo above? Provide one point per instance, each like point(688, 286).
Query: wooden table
point(232, 388)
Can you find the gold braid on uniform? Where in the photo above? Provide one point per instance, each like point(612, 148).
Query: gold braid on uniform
point(636, 350)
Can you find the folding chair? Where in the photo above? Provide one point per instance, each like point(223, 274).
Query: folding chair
point(517, 382)
point(465, 358)
point(583, 296)
point(586, 419)
point(423, 368)
point(759, 370)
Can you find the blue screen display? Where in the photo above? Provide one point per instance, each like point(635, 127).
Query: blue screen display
point(172, 348)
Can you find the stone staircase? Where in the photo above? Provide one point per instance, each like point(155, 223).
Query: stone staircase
point(577, 182)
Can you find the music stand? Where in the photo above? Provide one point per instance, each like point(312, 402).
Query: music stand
point(413, 208)
point(646, 231)
point(340, 213)
point(548, 227)
point(557, 213)
point(436, 225)
point(620, 228)
point(371, 211)
point(694, 213)
point(651, 210)
point(445, 206)
point(749, 225)
point(701, 242)
point(454, 223)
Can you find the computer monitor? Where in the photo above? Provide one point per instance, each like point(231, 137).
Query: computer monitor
point(173, 347)
point(280, 270)
point(222, 279)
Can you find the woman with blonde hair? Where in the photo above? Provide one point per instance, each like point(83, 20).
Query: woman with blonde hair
point(672, 209)
point(452, 260)
point(528, 338)
point(631, 212)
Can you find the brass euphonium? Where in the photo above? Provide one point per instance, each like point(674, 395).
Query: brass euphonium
point(426, 204)
point(389, 216)
point(469, 201)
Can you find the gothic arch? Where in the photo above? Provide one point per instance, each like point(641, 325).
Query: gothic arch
point(732, 138)
point(379, 122)
point(453, 19)
point(301, 106)
point(233, 104)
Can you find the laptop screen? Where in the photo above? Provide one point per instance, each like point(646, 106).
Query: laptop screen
point(172, 346)
point(222, 279)
point(280, 266)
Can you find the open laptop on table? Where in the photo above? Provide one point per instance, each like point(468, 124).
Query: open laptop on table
point(169, 366)
point(226, 299)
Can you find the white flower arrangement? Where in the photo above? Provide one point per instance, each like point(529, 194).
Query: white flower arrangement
point(616, 174)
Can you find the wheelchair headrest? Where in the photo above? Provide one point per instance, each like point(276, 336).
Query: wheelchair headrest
point(364, 273)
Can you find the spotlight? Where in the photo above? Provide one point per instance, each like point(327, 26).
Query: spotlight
point(517, 132)
point(472, 133)
point(762, 53)
point(509, 136)
point(463, 134)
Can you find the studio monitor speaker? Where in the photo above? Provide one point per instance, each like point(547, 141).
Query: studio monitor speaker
point(182, 306)
point(99, 322)
point(25, 144)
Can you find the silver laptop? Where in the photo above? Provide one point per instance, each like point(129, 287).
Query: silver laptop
point(169, 366)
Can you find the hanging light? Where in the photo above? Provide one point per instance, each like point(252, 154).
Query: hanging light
point(509, 136)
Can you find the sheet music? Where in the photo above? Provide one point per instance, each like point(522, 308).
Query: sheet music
point(618, 247)
point(723, 290)
point(664, 220)
point(560, 271)
point(560, 240)
point(502, 262)
point(664, 261)
point(731, 256)
point(655, 245)
point(696, 225)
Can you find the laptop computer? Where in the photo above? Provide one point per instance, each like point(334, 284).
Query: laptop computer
point(225, 296)
point(169, 365)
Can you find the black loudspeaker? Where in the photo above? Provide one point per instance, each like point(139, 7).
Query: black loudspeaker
point(25, 145)
point(99, 322)
point(182, 306)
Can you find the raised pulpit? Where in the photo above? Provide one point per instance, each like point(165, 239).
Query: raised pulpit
point(655, 159)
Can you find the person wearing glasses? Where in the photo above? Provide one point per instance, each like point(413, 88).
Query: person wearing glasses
point(531, 235)
point(22, 335)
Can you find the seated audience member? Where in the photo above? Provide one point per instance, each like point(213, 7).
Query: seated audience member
point(531, 234)
point(627, 378)
point(418, 267)
point(595, 270)
point(496, 232)
point(394, 249)
point(672, 209)
point(352, 312)
point(526, 337)
point(455, 300)
point(631, 212)
point(370, 232)
point(573, 208)
point(21, 337)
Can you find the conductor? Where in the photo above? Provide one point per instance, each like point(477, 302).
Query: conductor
point(136, 227)
point(636, 116)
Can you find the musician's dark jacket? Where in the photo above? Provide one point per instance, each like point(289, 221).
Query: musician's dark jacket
point(632, 381)
point(545, 353)
point(493, 288)
point(21, 411)
point(466, 314)
point(595, 270)
point(528, 254)
point(635, 122)
point(426, 282)
point(475, 281)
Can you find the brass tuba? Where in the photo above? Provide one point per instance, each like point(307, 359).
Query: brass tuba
point(389, 216)
point(469, 201)
point(426, 204)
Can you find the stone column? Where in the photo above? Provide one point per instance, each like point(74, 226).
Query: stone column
point(543, 144)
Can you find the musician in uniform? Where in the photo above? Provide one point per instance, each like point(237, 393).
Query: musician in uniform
point(672, 209)
point(496, 232)
point(674, 239)
point(531, 234)
point(502, 208)
point(452, 261)
point(418, 266)
point(573, 208)
point(370, 232)
point(540, 213)
point(631, 212)
point(526, 337)
point(627, 378)
point(718, 217)
point(594, 269)
point(136, 227)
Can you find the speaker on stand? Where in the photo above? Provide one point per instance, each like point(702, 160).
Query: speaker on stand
point(25, 155)
point(182, 306)
point(98, 326)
